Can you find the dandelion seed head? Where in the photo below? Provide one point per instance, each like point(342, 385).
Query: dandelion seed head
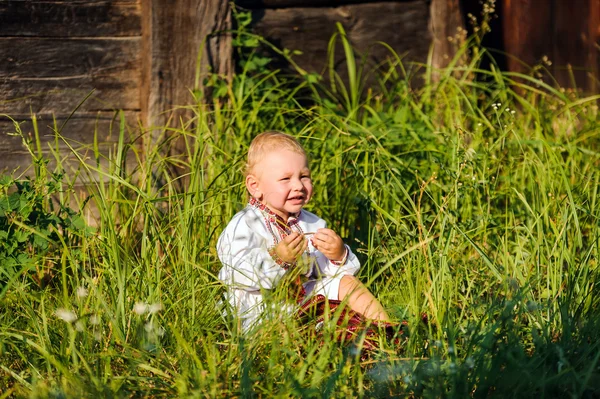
point(155, 308)
point(79, 326)
point(140, 308)
point(82, 292)
point(65, 315)
point(149, 327)
point(94, 320)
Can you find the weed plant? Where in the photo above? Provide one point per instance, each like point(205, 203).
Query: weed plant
point(473, 206)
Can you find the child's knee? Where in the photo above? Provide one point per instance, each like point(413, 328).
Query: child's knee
point(348, 285)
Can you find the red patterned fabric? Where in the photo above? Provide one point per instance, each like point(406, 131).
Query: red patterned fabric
point(351, 327)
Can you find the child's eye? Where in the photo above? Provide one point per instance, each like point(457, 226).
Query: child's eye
point(284, 179)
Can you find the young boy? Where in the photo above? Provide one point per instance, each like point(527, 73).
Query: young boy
point(273, 236)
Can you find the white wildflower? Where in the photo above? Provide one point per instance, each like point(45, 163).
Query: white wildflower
point(82, 292)
point(155, 308)
point(149, 327)
point(94, 319)
point(65, 315)
point(79, 326)
point(140, 308)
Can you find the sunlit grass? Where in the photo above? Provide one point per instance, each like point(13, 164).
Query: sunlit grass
point(473, 206)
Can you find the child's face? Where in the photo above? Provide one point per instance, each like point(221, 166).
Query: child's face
point(281, 181)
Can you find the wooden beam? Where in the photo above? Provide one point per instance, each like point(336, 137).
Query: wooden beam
point(527, 28)
point(181, 45)
point(78, 132)
point(72, 18)
point(404, 28)
point(64, 95)
point(445, 22)
point(575, 55)
point(262, 4)
point(24, 57)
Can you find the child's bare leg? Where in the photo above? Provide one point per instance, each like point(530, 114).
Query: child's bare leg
point(360, 299)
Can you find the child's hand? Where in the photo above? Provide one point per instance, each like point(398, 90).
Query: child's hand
point(291, 247)
point(330, 244)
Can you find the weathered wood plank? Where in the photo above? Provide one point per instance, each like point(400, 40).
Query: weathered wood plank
point(527, 33)
point(174, 32)
point(262, 4)
point(575, 54)
point(51, 57)
point(404, 28)
point(24, 95)
point(72, 18)
point(78, 131)
point(445, 21)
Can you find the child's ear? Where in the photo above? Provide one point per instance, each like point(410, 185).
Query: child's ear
point(252, 186)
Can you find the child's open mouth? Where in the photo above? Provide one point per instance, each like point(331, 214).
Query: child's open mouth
point(297, 199)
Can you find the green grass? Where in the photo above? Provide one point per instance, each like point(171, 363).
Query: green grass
point(471, 201)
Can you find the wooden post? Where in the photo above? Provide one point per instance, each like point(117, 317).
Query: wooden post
point(565, 32)
point(575, 55)
point(178, 51)
point(444, 22)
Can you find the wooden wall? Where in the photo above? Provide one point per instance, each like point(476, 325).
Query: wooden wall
point(410, 27)
point(531, 32)
point(53, 55)
point(141, 56)
point(138, 56)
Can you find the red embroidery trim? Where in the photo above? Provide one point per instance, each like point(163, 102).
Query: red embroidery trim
point(283, 228)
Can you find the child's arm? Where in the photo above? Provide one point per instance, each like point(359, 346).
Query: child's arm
point(340, 257)
point(330, 244)
point(244, 251)
point(290, 249)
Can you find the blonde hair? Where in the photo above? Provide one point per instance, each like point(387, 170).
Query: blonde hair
point(268, 141)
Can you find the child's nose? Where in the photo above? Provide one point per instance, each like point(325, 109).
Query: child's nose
point(298, 185)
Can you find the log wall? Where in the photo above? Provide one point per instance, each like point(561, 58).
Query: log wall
point(138, 56)
point(141, 56)
point(409, 27)
point(566, 33)
point(54, 54)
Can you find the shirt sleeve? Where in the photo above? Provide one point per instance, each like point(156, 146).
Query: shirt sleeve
point(349, 267)
point(327, 267)
point(243, 251)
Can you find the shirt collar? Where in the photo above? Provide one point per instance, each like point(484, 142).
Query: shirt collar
point(272, 216)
